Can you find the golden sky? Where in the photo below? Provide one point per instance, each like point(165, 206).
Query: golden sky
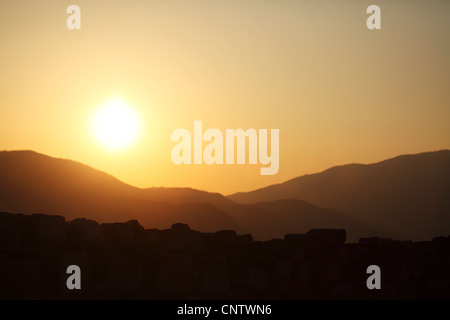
point(337, 91)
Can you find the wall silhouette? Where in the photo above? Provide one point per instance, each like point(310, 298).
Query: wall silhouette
point(126, 261)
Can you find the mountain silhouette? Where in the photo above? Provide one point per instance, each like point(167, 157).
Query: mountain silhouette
point(268, 220)
point(31, 182)
point(407, 197)
point(34, 183)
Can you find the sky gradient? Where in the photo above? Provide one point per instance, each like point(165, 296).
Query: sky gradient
point(338, 92)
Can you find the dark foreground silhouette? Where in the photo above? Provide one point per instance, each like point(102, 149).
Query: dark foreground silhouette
point(126, 261)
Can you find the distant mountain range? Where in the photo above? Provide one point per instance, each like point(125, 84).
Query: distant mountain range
point(404, 197)
point(407, 197)
point(31, 182)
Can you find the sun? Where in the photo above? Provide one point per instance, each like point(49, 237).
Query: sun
point(116, 125)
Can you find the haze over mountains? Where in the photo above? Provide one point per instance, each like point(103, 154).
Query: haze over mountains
point(35, 183)
point(404, 197)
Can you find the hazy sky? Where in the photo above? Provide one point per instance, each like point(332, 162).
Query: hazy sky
point(337, 91)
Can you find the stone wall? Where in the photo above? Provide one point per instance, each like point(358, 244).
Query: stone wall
point(125, 261)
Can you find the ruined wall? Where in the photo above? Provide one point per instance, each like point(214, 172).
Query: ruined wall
point(125, 261)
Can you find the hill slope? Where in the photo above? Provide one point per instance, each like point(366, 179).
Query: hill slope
point(35, 183)
point(404, 197)
point(31, 182)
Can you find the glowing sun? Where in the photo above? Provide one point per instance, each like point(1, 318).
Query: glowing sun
point(116, 125)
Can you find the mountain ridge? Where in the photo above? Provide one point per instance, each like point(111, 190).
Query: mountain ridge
point(35, 183)
point(411, 190)
point(340, 197)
